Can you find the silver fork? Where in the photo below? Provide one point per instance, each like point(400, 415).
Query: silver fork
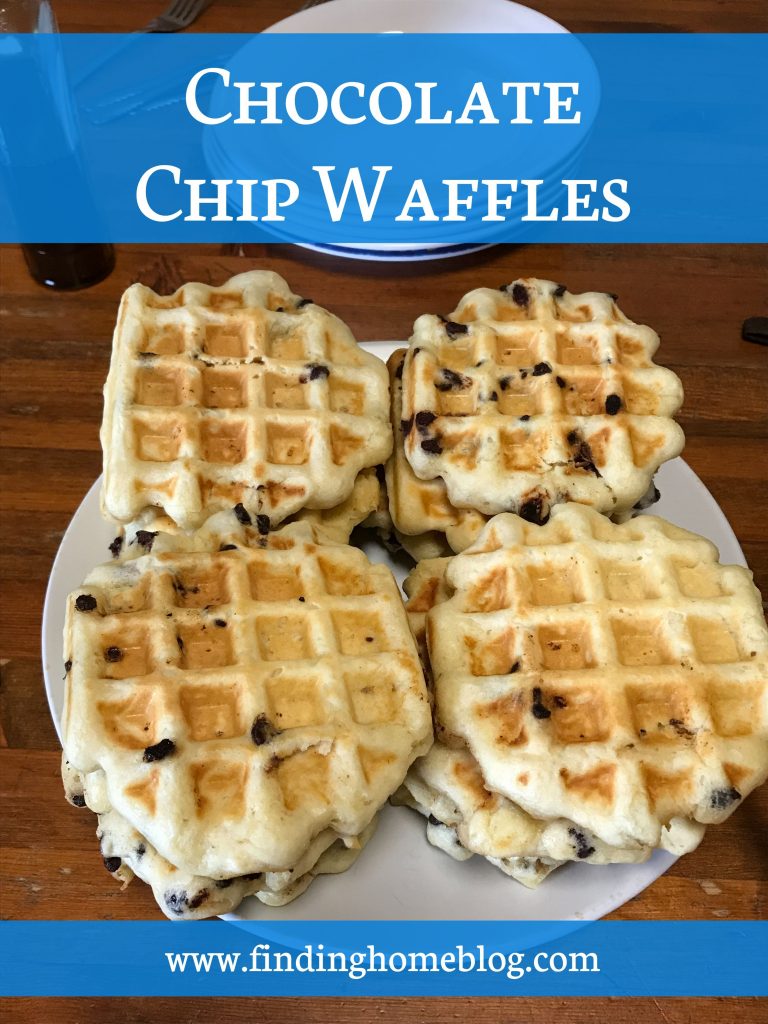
point(180, 15)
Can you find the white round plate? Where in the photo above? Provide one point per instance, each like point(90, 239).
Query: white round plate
point(400, 876)
point(449, 16)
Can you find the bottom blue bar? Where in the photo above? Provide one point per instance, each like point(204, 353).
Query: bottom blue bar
point(383, 958)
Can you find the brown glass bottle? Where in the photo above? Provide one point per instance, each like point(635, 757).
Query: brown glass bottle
point(66, 266)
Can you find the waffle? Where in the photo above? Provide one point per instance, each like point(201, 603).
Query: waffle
point(615, 676)
point(239, 395)
point(242, 693)
point(464, 817)
point(334, 525)
point(182, 896)
point(529, 396)
point(421, 507)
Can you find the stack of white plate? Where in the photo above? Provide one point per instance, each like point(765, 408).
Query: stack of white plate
point(400, 16)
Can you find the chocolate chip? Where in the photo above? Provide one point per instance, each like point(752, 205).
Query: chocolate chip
point(198, 899)
point(755, 329)
point(523, 374)
point(582, 457)
point(241, 514)
point(560, 382)
point(514, 667)
point(525, 417)
point(78, 799)
point(85, 603)
point(302, 599)
point(541, 368)
point(159, 751)
point(116, 546)
point(221, 623)
point(224, 883)
point(141, 850)
point(228, 547)
point(612, 404)
point(493, 397)
point(176, 901)
point(113, 654)
point(520, 295)
point(433, 820)
point(560, 291)
point(303, 302)
point(145, 539)
point(504, 383)
point(112, 864)
point(573, 437)
point(432, 446)
point(560, 702)
point(369, 639)
point(263, 524)
point(317, 371)
point(381, 476)
point(451, 380)
point(580, 844)
point(539, 710)
point(405, 426)
point(68, 665)
point(452, 329)
point(423, 420)
point(263, 731)
point(682, 729)
point(722, 798)
point(399, 370)
point(535, 511)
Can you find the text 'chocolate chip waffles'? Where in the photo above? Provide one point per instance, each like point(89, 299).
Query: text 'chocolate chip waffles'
point(244, 394)
point(528, 396)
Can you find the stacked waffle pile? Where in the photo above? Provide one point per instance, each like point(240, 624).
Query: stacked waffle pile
point(600, 687)
point(242, 696)
point(243, 687)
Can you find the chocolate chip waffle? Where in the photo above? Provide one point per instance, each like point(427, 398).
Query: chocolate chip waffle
point(420, 507)
point(464, 817)
point(333, 525)
point(243, 693)
point(529, 396)
point(239, 395)
point(182, 896)
point(613, 675)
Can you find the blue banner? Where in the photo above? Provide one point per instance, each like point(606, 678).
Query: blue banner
point(383, 958)
point(392, 138)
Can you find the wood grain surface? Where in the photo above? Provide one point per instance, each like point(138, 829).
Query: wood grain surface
point(54, 351)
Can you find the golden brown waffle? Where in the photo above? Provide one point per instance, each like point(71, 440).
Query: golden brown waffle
point(333, 525)
point(419, 507)
point(243, 395)
point(182, 896)
point(243, 693)
point(464, 817)
point(616, 676)
point(529, 396)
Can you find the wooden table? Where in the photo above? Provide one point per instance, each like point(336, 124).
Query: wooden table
point(55, 350)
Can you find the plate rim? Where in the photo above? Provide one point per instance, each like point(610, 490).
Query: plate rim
point(598, 908)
